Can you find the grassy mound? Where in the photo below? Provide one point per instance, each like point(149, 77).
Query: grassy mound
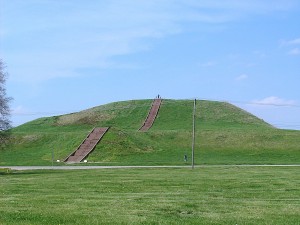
point(225, 134)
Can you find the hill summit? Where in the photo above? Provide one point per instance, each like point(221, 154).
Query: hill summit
point(173, 115)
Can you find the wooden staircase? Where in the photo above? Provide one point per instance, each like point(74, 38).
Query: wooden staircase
point(151, 115)
point(87, 146)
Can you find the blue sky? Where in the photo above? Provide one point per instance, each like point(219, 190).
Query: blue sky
point(69, 55)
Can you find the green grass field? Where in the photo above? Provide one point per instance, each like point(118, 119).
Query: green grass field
point(208, 195)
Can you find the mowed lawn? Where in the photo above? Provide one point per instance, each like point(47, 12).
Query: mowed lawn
point(205, 195)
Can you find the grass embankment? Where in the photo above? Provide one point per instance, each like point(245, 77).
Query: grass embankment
point(213, 195)
point(225, 134)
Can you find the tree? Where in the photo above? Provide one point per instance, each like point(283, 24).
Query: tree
point(5, 123)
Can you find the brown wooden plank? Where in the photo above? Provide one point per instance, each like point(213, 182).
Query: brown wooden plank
point(88, 145)
point(151, 115)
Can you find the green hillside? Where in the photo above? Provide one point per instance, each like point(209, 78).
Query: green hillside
point(225, 134)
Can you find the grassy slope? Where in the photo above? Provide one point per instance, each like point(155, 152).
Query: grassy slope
point(225, 135)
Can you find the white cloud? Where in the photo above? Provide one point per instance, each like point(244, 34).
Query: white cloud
point(275, 101)
point(260, 54)
point(295, 51)
point(292, 42)
point(19, 110)
point(208, 64)
point(242, 77)
point(278, 116)
point(92, 33)
point(254, 6)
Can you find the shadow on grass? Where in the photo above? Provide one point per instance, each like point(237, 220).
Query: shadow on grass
point(10, 172)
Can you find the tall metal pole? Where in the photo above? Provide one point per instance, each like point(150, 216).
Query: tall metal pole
point(193, 142)
point(52, 156)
